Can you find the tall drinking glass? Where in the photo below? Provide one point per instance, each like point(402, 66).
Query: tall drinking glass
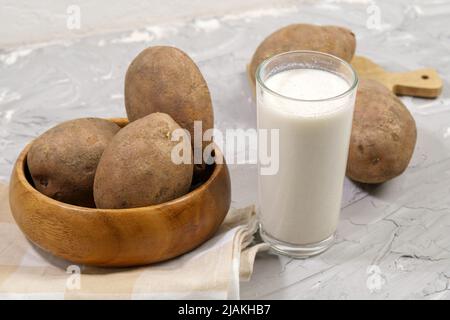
point(309, 98)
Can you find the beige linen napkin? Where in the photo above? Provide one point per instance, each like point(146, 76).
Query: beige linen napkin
point(212, 271)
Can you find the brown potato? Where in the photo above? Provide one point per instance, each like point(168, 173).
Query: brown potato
point(334, 40)
point(164, 79)
point(136, 168)
point(383, 135)
point(62, 161)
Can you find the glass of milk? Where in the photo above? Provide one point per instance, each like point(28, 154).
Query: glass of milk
point(309, 97)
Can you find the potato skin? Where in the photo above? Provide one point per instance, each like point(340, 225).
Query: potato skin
point(383, 135)
point(136, 169)
point(334, 40)
point(165, 79)
point(62, 161)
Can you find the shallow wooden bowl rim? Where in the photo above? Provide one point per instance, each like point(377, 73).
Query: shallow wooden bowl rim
point(21, 163)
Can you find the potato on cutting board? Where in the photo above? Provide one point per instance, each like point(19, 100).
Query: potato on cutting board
point(383, 135)
point(334, 40)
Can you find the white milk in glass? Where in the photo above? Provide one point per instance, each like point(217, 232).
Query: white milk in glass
point(300, 204)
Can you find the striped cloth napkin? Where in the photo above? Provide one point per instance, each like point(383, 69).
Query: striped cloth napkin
point(212, 271)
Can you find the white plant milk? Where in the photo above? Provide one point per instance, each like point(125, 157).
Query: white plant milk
point(301, 203)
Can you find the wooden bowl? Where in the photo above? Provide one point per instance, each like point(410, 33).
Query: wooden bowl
point(120, 237)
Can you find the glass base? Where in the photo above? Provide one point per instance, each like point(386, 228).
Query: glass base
point(297, 251)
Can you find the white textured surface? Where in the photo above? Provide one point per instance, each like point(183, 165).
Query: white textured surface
point(25, 21)
point(393, 240)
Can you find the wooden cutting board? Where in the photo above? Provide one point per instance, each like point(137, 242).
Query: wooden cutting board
point(424, 83)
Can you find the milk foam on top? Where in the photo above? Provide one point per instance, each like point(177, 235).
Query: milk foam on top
point(307, 84)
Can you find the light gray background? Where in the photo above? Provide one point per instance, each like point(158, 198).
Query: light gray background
point(393, 240)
